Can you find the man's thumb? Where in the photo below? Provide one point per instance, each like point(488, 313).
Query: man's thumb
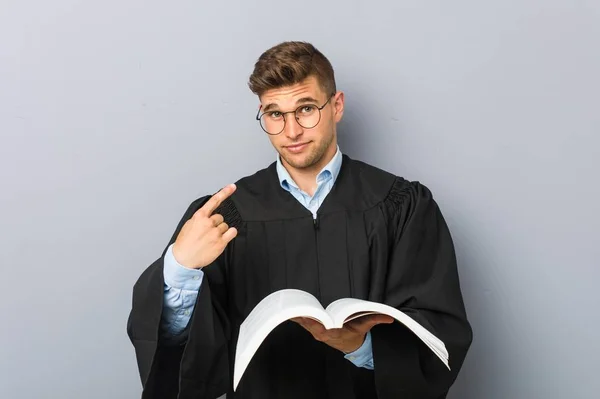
point(381, 319)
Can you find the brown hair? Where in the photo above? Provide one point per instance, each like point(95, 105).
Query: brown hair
point(289, 63)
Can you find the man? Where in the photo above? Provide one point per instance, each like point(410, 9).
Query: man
point(315, 220)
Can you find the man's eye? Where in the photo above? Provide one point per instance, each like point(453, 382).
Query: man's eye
point(307, 109)
point(274, 114)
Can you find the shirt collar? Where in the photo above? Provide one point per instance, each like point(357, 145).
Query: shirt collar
point(331, 170)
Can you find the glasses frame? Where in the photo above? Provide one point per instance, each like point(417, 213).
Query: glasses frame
point(259, 116)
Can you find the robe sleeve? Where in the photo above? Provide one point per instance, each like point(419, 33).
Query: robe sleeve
point(422, 281)
point(160, 363)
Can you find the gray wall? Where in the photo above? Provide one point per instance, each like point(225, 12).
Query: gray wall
point(115, 114)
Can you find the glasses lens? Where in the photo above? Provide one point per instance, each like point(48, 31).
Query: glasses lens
point(272, 122)
point(308, 116)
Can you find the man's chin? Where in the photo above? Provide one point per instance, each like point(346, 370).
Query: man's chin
point(299, 162)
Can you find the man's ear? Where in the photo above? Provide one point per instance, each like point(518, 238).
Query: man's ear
point(338, 105)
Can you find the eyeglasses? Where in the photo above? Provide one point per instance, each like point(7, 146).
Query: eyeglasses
point(307, 116)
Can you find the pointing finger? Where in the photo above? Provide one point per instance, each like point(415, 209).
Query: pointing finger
point(213, 203)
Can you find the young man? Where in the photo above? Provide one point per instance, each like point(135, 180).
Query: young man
point(315, 220)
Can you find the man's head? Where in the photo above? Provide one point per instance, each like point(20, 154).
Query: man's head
point(300, 106)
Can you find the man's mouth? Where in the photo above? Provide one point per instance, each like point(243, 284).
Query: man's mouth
point(296, 147)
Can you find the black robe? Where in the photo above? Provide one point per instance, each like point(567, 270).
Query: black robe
point(377, 237)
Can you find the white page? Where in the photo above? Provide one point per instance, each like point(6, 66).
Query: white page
point(273, 310)
point(341, 309)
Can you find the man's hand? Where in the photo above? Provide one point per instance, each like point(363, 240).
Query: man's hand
point(204, 236)
point(348, 338)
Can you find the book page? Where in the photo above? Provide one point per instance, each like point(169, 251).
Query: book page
point(273, 310)
point(347, 309)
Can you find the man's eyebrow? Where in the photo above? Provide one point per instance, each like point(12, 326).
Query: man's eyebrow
point(269, 107)
point(306, 100)
point(302, 100)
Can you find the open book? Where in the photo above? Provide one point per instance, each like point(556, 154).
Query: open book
point(290, 303)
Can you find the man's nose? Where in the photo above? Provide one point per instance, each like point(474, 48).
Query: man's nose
point(292, 128)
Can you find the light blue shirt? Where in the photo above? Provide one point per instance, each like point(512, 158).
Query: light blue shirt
point(182, 284)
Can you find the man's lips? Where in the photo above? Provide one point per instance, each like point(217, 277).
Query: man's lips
point(296, 147)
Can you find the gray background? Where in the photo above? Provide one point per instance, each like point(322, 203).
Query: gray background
point(115, 114)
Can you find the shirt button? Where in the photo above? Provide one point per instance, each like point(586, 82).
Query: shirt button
point(187, 313)
point(352, 357)
point(196, 277)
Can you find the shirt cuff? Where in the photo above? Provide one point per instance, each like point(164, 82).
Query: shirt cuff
point(363, 356)
point(179, 276)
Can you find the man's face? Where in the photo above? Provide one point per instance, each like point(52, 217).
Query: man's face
point(299, 147)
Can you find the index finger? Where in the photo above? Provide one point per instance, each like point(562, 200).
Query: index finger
point(216, 200)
